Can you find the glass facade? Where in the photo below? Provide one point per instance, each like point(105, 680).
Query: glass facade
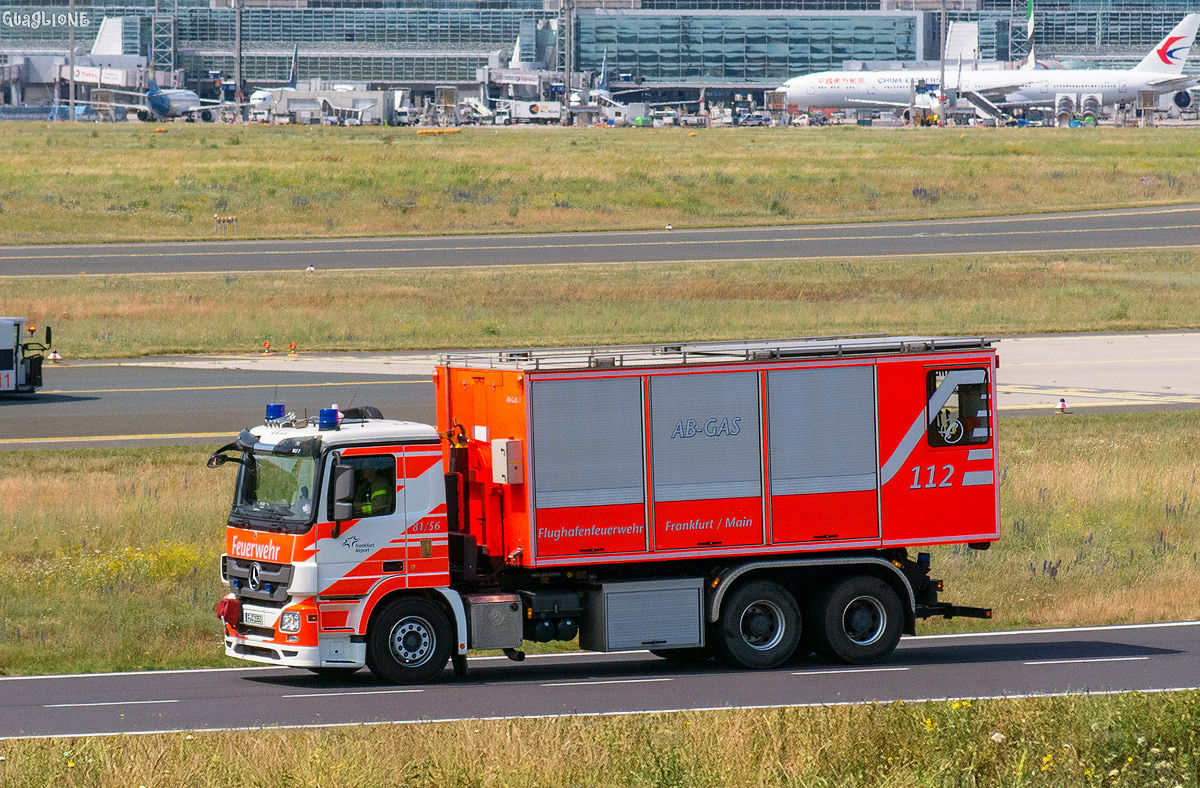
point(741, 45)
point(655, 40)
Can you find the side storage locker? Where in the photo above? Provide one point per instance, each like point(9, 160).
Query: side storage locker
point(653, 614)
point(588, 458)
point(822, 439)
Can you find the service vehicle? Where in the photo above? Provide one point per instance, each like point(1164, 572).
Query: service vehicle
point(740, 500)
point(514, 111)
point(20, 358)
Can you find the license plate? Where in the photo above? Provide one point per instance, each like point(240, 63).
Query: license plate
point(252, 618)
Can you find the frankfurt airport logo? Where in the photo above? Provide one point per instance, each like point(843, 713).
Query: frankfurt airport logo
point(36, 20)
point(1168, 52)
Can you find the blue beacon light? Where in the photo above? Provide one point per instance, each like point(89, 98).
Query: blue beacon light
point(328, 419)
point(275, 412)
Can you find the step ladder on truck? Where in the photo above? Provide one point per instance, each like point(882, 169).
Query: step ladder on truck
point(745, 501)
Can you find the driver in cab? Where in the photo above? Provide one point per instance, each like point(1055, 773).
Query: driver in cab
point(373, 493)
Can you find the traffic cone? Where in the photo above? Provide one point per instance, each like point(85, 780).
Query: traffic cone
point(54, 358)
point(1061, 407)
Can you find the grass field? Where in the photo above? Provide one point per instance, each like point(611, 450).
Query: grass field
point(1099, 521)
point(115, 316)
point(66, 182)
point(1129, 740)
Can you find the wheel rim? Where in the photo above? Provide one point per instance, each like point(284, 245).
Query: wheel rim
point(762, 625)
point(864, 620)
point(412, 641)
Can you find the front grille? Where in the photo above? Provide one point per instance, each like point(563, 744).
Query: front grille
point(274, 580)
point(262, 632)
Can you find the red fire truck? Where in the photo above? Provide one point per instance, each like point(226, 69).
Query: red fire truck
point(740, 500)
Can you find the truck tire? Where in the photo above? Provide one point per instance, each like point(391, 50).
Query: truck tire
point(858, 622)
point(409, 641)
point(683, 656)
point(759, 626)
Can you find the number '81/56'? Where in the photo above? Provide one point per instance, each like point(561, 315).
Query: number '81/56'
point(931, 477)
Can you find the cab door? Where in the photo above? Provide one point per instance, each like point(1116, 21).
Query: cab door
point(938, 459)
point(426, 537)
point(354, 555)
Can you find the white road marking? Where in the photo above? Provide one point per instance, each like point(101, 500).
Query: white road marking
point(352, 692)
point(107, 703)
point(611, 681)
point(847, 670)
point(589, 715)
point(1094, 659)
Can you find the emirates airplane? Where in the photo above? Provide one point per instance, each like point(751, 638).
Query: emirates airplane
point(994, 91)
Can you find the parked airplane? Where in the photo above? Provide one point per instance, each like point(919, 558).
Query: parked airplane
point(993, 91)
point(166, 104)
point(268, 95)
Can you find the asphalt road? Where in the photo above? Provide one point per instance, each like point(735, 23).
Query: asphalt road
point(1155, 657)
point(181, 400)
point(1173, 227)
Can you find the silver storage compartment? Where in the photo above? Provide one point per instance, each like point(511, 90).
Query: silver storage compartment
point(654, 614)
point(493, 620)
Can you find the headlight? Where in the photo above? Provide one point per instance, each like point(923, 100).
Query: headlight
point(289, 621)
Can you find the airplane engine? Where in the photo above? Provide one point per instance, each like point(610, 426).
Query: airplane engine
point(143, 116)
point(1183, 99)
point(1090, 108)
point(206, 116)
point(1064, 110)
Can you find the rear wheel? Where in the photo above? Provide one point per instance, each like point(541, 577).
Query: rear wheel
point(759, 626)
point(409, 641)
point(859, 621)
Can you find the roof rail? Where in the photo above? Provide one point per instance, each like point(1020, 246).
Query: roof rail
point(715, 352)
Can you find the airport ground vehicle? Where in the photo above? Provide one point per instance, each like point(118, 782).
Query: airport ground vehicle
point(20, 358)
point(743, 500)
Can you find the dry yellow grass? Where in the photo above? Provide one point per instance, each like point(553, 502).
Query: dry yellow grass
point(67, 182)
point(1116, 741)
point(1099, 527)
point(126, 316)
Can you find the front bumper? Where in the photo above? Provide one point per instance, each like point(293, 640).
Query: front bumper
point(265, 643)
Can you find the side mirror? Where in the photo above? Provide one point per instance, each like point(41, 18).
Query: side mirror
point(343, 495)
point(49, 342)
point(217, 460)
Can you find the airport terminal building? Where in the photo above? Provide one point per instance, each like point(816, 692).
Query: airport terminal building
point(419, 44)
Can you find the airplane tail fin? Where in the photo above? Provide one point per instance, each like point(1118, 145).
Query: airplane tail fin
point(295, 72)
point(151, 86)
point(1172, 52)
point(603, 83)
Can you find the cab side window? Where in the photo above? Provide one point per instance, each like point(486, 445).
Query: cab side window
point(374, 485)
point(958, 402)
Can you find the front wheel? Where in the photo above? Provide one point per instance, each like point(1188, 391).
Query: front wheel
point(409, 641)
point(759, 626)
point(859, 621)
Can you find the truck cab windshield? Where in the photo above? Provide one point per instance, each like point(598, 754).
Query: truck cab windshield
point(276, 488)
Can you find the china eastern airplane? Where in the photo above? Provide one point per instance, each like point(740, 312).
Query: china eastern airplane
point(1161, 71)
